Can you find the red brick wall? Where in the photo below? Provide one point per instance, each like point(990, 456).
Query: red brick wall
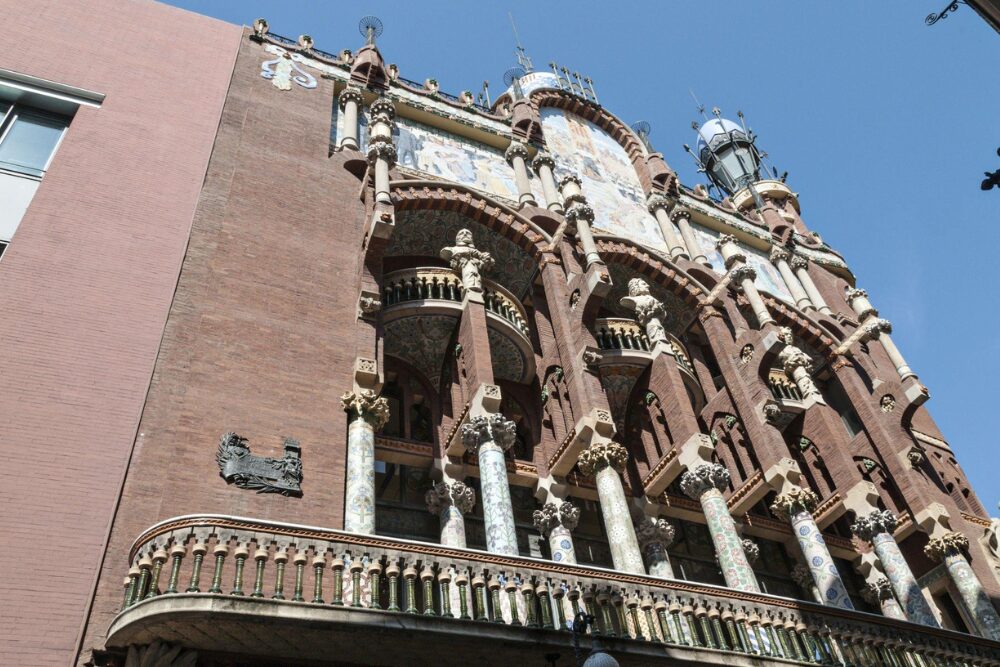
point(86, 284)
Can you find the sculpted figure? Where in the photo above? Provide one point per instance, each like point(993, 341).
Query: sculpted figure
point(465, 258)
point(648, 310)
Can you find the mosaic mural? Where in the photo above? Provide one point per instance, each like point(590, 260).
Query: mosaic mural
point(768, 279)
point(508, 362)
point(617, 382)
point(424, 233)
point(609, 180)
point(421, 341)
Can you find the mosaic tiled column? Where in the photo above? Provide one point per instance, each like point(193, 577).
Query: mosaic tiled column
point(451, 502)
point(605, 460)
point(951, 548)
point(877, 528)
point(796, 506)
point(350, 101)
point(368, 413)
point(654, 536)
point(489, 437)
point(705, 484)
point(879, 592)
point(556, 523)
point(517, 157)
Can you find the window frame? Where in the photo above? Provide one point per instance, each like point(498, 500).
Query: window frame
point(11, 116)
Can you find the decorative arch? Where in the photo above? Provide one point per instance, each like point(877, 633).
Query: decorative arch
point(596, 114)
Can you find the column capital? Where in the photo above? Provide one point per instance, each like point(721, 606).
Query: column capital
point(779, 254)
point(494, 428)
point(877, 591)
point(569, 180)
point(367, 405)
point(679, 213)
point(350, 94)
point(852, 293)
point(443, 494)
point(657, 201)
point(383, 109)
point(602, 455)
point(654, 531)
point(872, 524)
point(802, 575)
point(857, 299)
point(542, 159)
point(551, 516)
point(516, 149)
point(751, 549)
point(730, 250)
point(743, 272)
point(704, 477)
point(794, 501)
point(949, 544)
point(381, 149)
point(580, 211)
point(799, 262)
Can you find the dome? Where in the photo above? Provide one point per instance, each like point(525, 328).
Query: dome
point(535, 81)
point(598, 658)
point(715, 127)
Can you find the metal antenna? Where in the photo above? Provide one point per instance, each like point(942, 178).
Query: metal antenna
point(522, 55)
point(486, 93)
point(593, 93)
point(698, 105)
point(512, 79)
point(642, 128)
point(370, 27)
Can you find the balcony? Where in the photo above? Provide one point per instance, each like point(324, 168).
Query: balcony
point(438, 292)
point(295, 593)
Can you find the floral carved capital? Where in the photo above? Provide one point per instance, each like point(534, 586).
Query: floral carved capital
point(949, 544)
point(367, 405)
point(602, 455)
point(659, 531)
point(752, 550)
point(381, 150)
point(704, 477)
point(443, 494)
point(793, 502)
point(875, 523)
point(481, 430)
point(551, 516)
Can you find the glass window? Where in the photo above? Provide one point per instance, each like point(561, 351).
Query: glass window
point(30, 141)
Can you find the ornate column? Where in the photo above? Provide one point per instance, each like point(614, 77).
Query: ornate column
point(517, 157)
point(451, 502)
point(556, 523)
point(880, 592)
point(705, 484)
point(658, 205)
point(877, 528)
point(654, 536)
point(605, 460)
point(798, 366)
point(489, 437)
point(682, 218)
point(580, 215)
point(743, 275)
point(381, 151)
point(368, 413)
point(796, 506)
point(543, 165)
point(951, 548)
point(350, 102)
point(877, 328)
point(800, 266)
point(780, 257)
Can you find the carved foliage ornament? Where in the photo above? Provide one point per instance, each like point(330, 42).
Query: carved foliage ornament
point(381, 149)
point(752, 550)
point(551, 516)
point(602, 455)
point(743, 272)
point(877, 591)
point(265, 475)
point(793, 502)
point(649, 532)
point(494, 428)
point(442, 494)
point(802, 575)
point(746, 354)
point(367, 405)
point(949, 544)
point(870, 525)
point(704, 477)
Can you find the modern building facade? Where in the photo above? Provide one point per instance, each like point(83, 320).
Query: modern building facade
point(309, 363)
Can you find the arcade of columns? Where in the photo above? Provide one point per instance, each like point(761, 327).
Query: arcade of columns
point(640, 546)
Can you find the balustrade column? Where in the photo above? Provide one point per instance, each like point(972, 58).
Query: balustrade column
point(489, 437)
point(605, 460)
point(580, 214)
point(780, 257)
point(682, 218)
point(368, 413)
point(743, 275)
point(951, 548)
point(556, 523)
point(796, 506)
point(350, 101)
point(517, 157)
point(800, 266)
point(451, 502)
point(543, 165)
point(381, 151)
point(877, 528)
point(654, 536)
point(705, 484)
point(880, 592)
point(658, 205)
point(878, 329)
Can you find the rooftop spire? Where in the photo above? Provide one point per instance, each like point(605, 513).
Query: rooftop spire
point(522, 55)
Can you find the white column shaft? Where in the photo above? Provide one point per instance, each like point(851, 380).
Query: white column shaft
point(802, 300)
point(810, 287)
point(674, 243)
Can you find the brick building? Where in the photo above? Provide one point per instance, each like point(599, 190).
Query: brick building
point(332, 367)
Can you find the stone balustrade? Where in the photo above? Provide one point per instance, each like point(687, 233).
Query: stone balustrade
point(620, 333)
point(435, 283)
point(782, 388)
point(261, 568)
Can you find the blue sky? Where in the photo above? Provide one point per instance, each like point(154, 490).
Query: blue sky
point(885, 126)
